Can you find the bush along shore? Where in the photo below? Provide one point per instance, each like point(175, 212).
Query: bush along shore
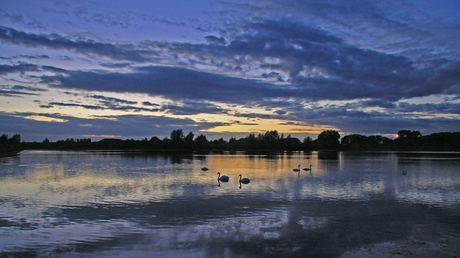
point(10, 146)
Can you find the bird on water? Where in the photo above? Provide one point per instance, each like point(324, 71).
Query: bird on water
point(222, 178)
point(244, 180)
point(308, 169)
point(296, 169)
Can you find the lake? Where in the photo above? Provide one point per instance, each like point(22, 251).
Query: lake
point(125, 204)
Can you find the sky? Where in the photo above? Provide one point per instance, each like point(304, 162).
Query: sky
point(228, 68)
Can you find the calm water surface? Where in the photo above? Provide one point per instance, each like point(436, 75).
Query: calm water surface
point(115, 204)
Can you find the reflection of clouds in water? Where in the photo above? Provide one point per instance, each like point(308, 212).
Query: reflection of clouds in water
point(67, 234)
point(436, 188)
point(434, 197)
point(293, 228)
point(148, 204)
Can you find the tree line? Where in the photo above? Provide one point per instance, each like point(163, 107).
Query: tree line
point(270, 140)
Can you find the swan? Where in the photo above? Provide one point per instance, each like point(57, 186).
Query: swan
point(404, 172)
point(244, 180)
point(308, 169)
point(222, 178)
point(204, 168)
point(296, 169)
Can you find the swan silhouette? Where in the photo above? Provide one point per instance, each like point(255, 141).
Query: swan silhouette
point(296, 169)
point(244, 180)
point(204, 168)
point(308, 169)
point(222, 178)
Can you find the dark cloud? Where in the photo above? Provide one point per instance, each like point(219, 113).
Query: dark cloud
point(101, 106)
point(315, 61)
point(193, 108)
point(238, 123)
point(57, 42)
point(14, 93)
point(323, 63)
point(52, 104)
point(20, 68)
point(115, 65)
point(216, 40)
point(27, 88)
point(378, 103)
point(280, 112)
point(128, 126)
point(430, 108)
point(393, 26)
point(319, 63)
point(273, 75)
point(112, 101)
point(27, 57)
point(292, 123)
point(53, 69)
point(184, 84)
point(147, 103)
point(171, 82)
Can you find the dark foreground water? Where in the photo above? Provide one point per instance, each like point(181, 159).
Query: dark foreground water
point(108, 204)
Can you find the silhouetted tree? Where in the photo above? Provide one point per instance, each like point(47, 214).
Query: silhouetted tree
point(292, 143)
point(189, 137)
point(189, 140)
point(250, 142)
point(201, 142)
point(154, 143)
point(3, 138)
point(271, 139)
point(177, 135)
point(177, 139)
point(16, 139)
point(441, 141)
point(308, 143)
point(329, 140)
point(409, 140)
point(219, 144)
point(362, 142)
point(409, 134)
point(10, 146)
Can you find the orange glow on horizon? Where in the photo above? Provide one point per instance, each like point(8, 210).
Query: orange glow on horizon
point(102, 136)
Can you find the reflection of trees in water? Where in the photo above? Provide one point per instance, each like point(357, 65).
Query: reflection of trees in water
point(328, 155)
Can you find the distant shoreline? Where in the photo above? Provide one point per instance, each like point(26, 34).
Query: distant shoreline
point(271, 141)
